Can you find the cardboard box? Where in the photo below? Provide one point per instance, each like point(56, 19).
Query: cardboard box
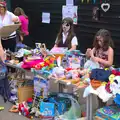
point(24, 93)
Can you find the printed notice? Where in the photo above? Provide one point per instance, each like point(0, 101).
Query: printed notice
point(70, 11)
point(45, 17)
point(69, 2)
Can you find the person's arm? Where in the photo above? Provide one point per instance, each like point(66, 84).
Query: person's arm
point(55, 45)
point(88, 52)
point(108, 62)
point(2, 54)
point(15, 18)
point(74, 43)
point(73, 47)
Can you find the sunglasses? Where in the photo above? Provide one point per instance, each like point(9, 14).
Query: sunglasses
point(66, 24)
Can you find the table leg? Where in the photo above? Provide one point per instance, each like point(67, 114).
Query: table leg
point(87, 107)
point(91, 107)
point(61, 87)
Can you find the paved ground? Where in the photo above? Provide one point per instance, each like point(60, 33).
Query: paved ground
point(6, 115)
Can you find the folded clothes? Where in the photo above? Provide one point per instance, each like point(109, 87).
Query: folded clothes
point(95, 83)
point(100, 74)
point(100, 92)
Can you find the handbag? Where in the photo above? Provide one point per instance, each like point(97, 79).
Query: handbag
point(3, 70)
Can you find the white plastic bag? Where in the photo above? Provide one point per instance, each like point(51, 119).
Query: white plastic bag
point(91, 65)
point(74, 112)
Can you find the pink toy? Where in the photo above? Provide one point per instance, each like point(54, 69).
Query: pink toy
point(30, 64)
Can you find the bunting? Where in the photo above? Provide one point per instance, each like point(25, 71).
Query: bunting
point(88, 1)
point(82, 1)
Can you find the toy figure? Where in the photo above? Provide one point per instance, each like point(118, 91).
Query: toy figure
point(35, 111)
point(24, 109)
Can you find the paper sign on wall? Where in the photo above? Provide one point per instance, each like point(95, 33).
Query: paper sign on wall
point(70, 11)
point(45, 17)
point(69, 2)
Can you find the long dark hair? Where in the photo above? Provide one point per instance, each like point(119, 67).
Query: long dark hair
point(107, 40)
point(71, 33)
point(19, 11)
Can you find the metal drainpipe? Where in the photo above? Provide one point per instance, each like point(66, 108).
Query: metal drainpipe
point(8, 4)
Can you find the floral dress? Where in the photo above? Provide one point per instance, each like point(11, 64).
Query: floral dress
point(101, 54)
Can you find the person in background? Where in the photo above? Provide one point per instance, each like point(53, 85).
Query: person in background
point(23, 32)
point(8, 18)
point(102, 52)
point(66, 36)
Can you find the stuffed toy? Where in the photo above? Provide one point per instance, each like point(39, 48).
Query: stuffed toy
point(27, 64)
point(75, 74)
point(58, 72)
point(35, 111)
point(47, 62)
point(13, 90)
point(24, 109)
point(115, 85)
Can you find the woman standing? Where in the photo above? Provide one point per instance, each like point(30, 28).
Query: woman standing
point(8, 18)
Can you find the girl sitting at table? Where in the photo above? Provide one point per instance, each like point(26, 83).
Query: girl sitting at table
point(102, 52)
point(66, 36)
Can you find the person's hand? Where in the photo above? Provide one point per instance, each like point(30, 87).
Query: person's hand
point(88, 52)
point(95, 59)
point(15, 20)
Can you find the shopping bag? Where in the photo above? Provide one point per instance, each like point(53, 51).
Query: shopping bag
point(74, 112)
point(47, 109)
point(90, 64)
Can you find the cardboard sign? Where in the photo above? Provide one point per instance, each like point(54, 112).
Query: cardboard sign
point(5, 31)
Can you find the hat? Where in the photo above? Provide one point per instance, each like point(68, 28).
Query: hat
point(3, 4)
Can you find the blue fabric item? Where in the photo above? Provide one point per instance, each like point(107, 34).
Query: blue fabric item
point(20, 45)
point(4, 84)
point(100, 74)
point(117, 99)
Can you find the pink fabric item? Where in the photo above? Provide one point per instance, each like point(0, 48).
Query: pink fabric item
point(30, 64)
point(24, 24)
